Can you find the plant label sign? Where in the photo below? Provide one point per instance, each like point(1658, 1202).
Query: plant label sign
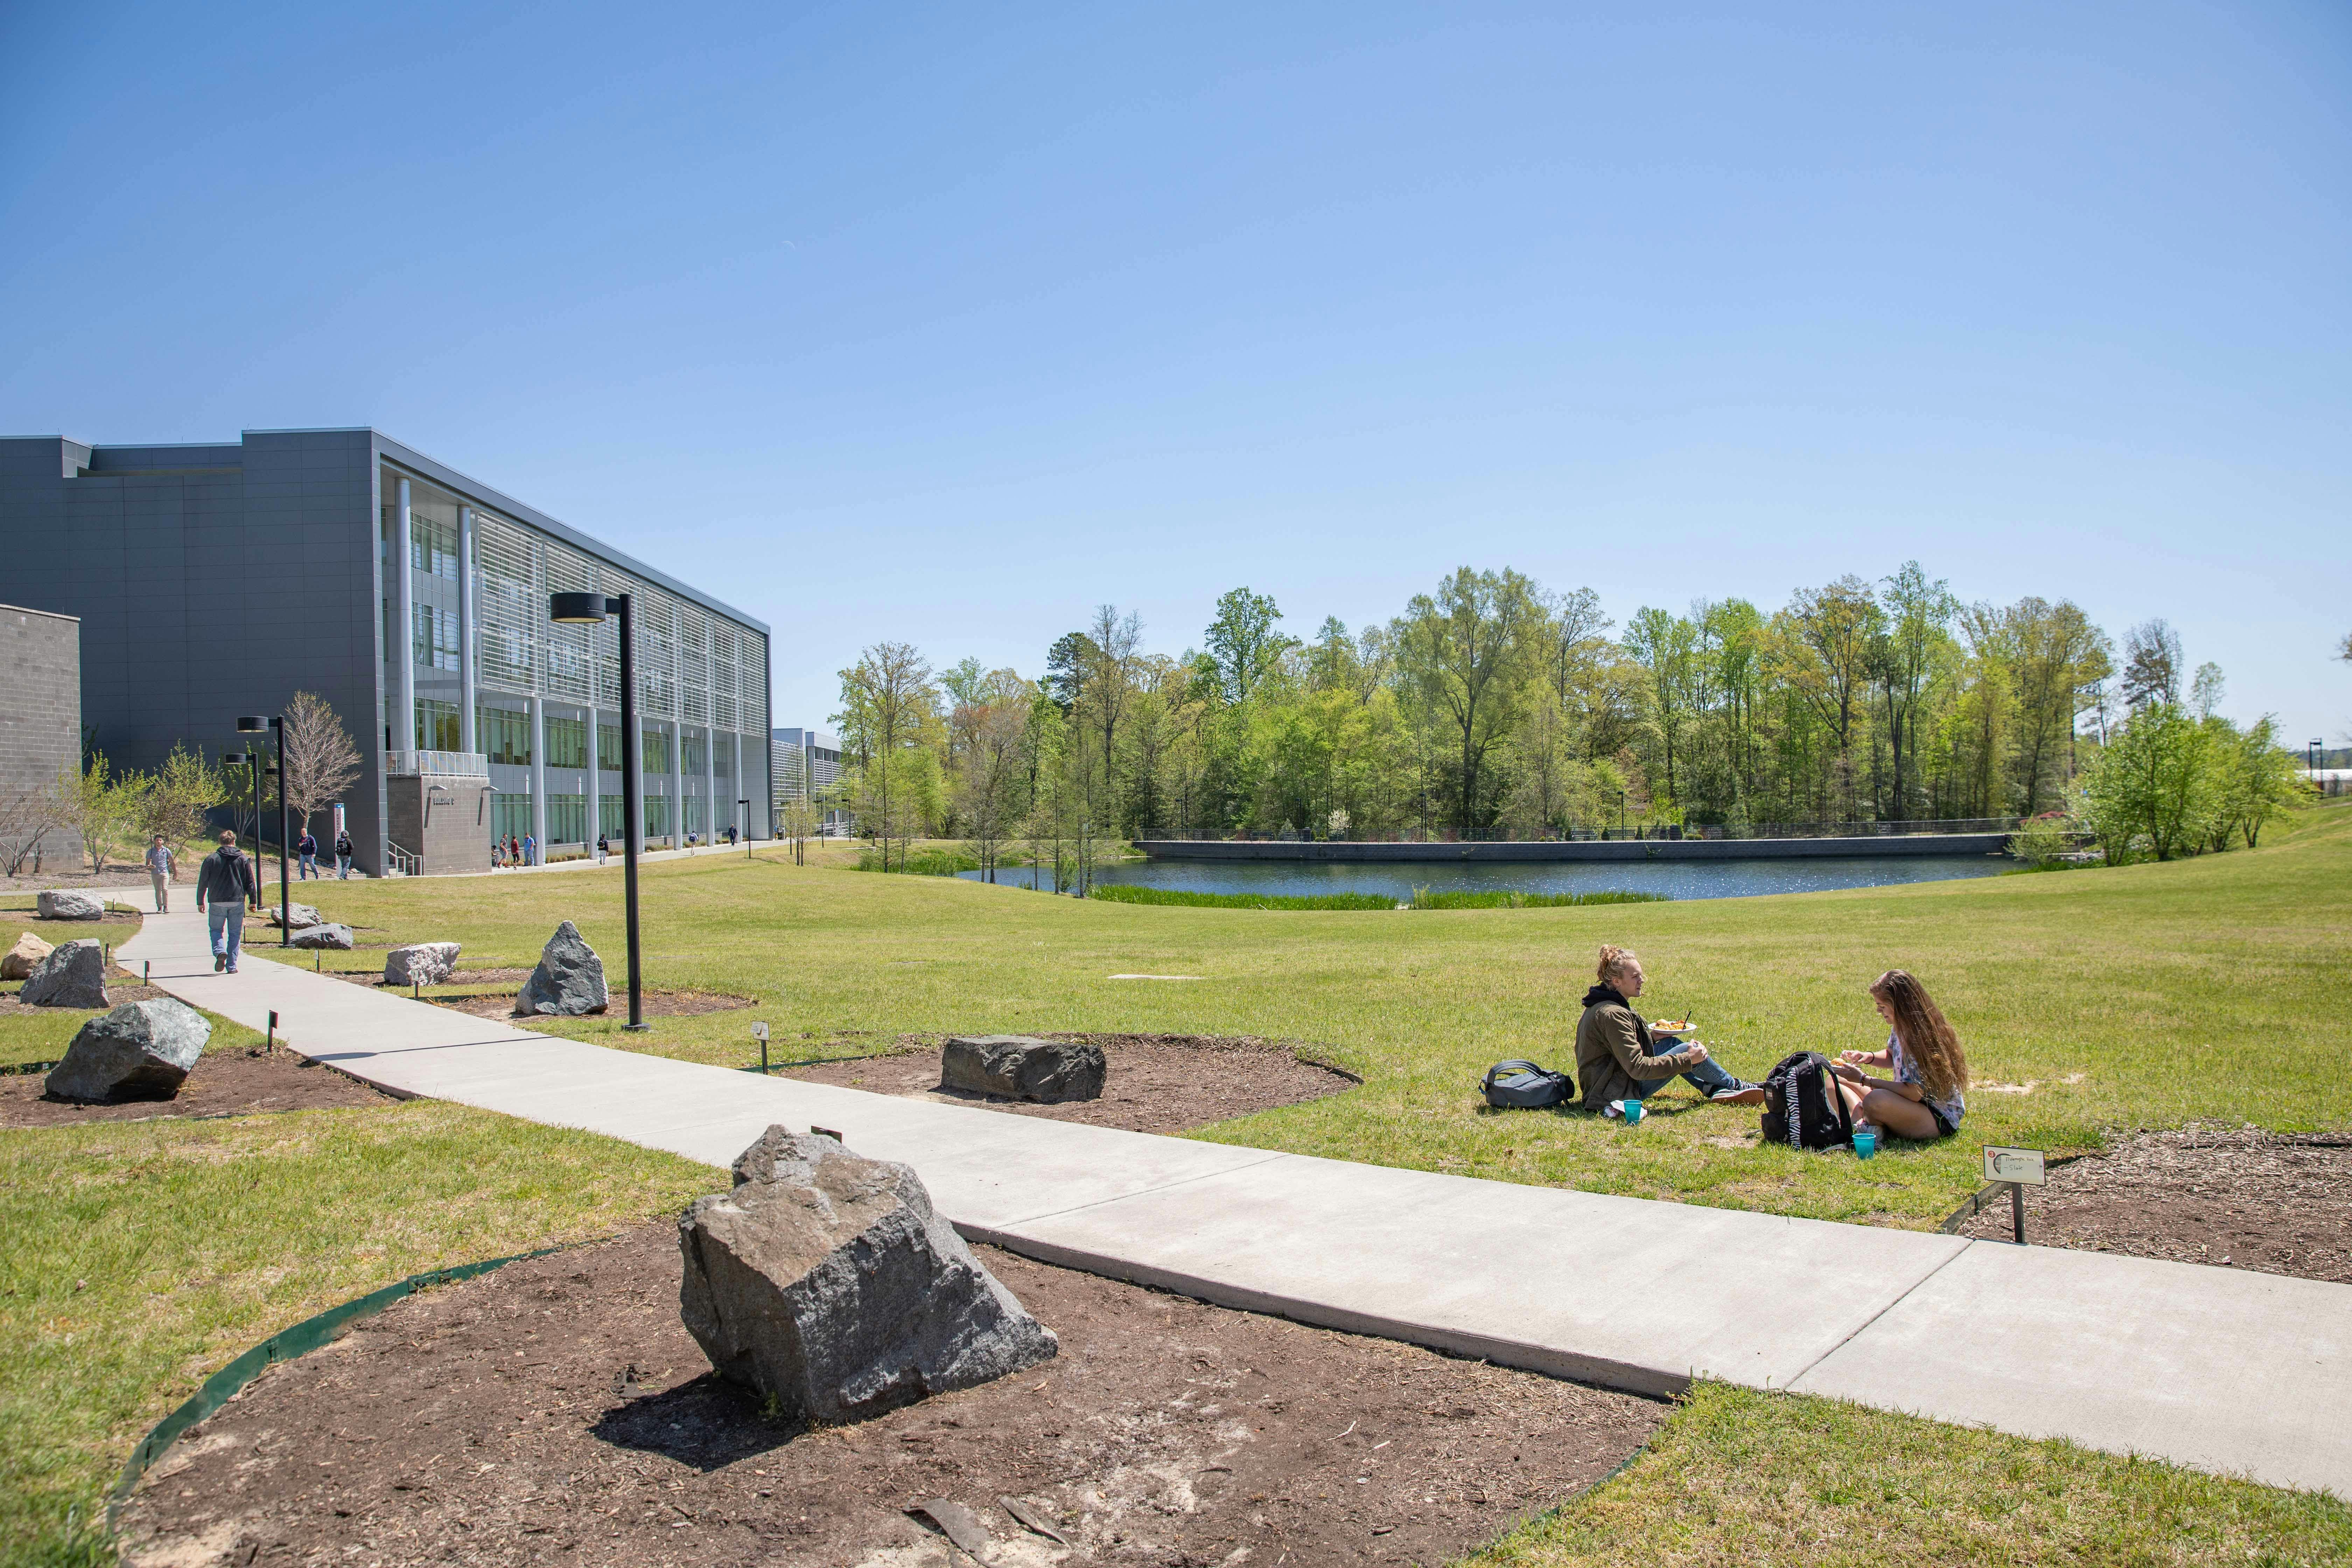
point(759, 1031)
point(2022, 1166)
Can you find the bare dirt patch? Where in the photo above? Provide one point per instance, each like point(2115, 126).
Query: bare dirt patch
point(555, 1411)
point(225, 1083)
point(2239, 1197)
point(1154, 1083)
point(120, 988)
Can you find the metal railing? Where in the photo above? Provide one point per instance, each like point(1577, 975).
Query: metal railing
point(1656, 830)
point(444, 764)
point(404, 863)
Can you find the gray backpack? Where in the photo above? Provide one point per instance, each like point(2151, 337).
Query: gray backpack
point(1524, 1086)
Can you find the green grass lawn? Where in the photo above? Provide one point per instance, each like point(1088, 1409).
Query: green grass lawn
point(2141, 996)
point(137, 1258)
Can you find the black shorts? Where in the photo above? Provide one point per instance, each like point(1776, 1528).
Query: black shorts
point(1943, 1128)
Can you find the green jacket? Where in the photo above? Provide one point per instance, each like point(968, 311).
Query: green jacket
point(1614, 1053)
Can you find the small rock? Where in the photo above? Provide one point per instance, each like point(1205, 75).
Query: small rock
point(569, 981)
point(297, 916)
point(142, 1050)
point(333, 936)
point(827, 1281)
point(18, 963)
point(69, 907)
point(426, 963)
point(1019, 1066)
point(73, 975)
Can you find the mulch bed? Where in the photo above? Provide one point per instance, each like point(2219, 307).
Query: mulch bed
point(118, 992)
point(556, 1411)
point(656, 1004)
point(1153, 1083)
point(225, 1083)
point(2239, 1197)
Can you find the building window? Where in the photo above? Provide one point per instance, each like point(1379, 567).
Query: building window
point(657, 816)
point(611, 813)
point(696, 750)
point(432, 545)
point(434, 639)
point(510, 817)
point(608, 751)
point(505, 735)
point(437, 725)
point(567, 744)
point(567, 819)
point(656, 758)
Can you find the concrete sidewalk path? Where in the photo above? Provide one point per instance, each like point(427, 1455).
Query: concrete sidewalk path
point(2217, 1368)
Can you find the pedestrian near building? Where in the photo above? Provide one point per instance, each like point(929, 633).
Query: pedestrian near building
point(307, 848)
point(529, 850)
point(603, 848)
point(162, 872)
point(343, 855)
point(226, 883)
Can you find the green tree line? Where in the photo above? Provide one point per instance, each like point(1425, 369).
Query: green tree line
point(1492, 706)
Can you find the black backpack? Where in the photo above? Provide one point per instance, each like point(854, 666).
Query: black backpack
point(1523, 1086)
point(1801, 1105)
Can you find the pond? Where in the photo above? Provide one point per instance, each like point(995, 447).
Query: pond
point(1676, 879)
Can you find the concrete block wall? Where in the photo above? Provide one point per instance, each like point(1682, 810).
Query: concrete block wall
point(40, 719)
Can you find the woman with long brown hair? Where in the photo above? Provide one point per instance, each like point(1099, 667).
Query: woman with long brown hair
point(1929, 1093)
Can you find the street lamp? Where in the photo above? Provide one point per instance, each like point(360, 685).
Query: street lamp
point(253, 725)
point(743, 810)
point(590, 610)
point(2315, 758)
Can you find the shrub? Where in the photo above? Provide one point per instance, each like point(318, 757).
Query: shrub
point(1502, 898)
point(1128, 893)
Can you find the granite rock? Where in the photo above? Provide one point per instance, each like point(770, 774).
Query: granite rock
point(18, 963)
point(1019, 1066)
point(337, 937)
point(72, 975)
point(142, 1050)
point(425, 964)
point(569, 981)
point(69, 907)
point(827, 1282)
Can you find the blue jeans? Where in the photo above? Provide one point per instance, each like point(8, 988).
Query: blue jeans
point(343, 867)
point(1708, 1077)
point(225, 920)
point(310, 867)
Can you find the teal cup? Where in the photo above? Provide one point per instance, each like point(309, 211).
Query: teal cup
point(1866, 1144)
point(1633, 1112)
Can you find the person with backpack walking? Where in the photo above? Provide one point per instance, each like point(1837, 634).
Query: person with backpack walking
point(1617, 1060)
point(343, 855)
point(1929, 1093)
point(225, 881)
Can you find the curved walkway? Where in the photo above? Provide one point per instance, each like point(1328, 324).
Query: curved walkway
point(2222, 1369)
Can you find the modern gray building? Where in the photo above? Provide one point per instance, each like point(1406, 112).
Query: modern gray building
point(805, 765)
point(217, 580)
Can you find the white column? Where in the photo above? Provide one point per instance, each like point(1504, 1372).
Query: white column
point(404, 652)
point(742, 787)
point(595, 806)
point(539, 773)
point(635, 757)
point(710, 815)
point(468, 637)
point(677, 782)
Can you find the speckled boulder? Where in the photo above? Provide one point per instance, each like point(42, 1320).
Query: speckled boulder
point(142, 1050)
point(426, 963)
point(73, 975)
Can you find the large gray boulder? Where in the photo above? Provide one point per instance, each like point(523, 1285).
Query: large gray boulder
point(426, 963)
point(142, 1050)
point(18, 963)
point(1019, 1066)
point(826, 1282)
point(569, 981)
point(329, 936)
point(69, 907)
point(297, 916)
point(73, 975)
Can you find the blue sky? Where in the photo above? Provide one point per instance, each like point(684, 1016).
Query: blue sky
point(946, 325)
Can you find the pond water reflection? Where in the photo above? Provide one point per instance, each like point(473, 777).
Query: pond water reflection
point(1676, 879)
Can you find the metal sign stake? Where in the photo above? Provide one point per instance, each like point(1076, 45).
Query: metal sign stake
point(759, 1033)
point(2020, 1168)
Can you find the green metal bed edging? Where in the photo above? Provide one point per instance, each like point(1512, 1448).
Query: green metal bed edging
point(286, 1344)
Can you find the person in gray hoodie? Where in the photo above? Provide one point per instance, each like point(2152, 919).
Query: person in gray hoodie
point(226, 883)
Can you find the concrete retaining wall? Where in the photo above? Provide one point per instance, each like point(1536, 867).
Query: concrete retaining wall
point(1584, 849)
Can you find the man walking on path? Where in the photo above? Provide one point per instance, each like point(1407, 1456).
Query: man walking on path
point(160, 870)
point(343, 855)
point(225, 883)
point(308, 847)
point(529, 850)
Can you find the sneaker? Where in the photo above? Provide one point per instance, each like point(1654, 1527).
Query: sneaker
point(219, 964)
point(232, 969)
point(1741, 1092)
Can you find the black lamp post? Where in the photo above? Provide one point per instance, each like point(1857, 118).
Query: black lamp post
point(2315, 758)
point(590, 610)
point(743, 809)
point(253, 725)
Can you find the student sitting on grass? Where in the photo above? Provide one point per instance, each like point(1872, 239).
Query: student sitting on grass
point(1616, 1058)
point(1927, 1095)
